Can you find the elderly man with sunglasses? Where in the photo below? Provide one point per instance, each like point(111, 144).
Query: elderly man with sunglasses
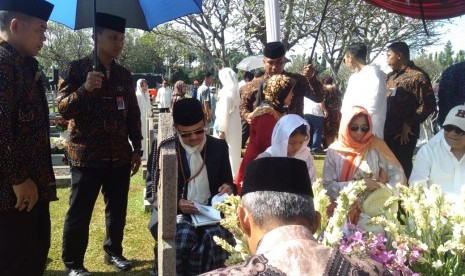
point(203, 172)
point(442, 160)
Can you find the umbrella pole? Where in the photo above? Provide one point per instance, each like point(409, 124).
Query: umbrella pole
point(95, 35)
point(318, 32)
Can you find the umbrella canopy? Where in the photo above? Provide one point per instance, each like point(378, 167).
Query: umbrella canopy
point(139, 14)
point(251, 63)
point(432, 9)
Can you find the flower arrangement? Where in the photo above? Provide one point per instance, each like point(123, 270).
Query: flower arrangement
point(58, 144)
point(428, 238)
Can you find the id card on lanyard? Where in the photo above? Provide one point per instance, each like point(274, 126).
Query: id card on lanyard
point(120, 103)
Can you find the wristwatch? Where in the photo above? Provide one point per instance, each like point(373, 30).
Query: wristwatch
point(139, 151)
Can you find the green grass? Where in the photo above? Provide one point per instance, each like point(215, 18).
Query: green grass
point(137, 245)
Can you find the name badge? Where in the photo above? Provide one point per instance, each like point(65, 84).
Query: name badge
point(120, 103)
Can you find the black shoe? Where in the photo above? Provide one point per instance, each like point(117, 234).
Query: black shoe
point(78, 272)
point(119, 262)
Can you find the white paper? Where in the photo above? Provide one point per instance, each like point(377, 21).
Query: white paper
point(219, 198)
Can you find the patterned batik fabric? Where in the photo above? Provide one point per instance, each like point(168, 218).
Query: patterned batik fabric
point(102, 122)
point(24, 128)
point(410, 99)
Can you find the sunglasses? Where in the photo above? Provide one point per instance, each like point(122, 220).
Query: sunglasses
point(363, 128)
point(457, 130)
point(195, 132)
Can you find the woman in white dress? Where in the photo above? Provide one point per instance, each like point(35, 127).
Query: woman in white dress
point(228, 121)
point(143, 100)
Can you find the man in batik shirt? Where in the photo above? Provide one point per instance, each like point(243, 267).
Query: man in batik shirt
point(278, 218)
point(27, 182)
point(410, 100)
point(102, 106)
point(274, 61)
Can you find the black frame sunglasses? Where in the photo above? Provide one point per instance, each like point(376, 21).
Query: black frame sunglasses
point(189, 134)
point(457, 130)
point(363, 128)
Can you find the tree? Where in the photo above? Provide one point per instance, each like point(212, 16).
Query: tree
point(203, 33)
point(432, 67)
point(64, 45)
point(460, 57)
point(356, 21)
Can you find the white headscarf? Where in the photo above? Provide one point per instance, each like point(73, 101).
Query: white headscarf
point(230, 87)
point(280, 140)
point(143, 99)
point(229, 97)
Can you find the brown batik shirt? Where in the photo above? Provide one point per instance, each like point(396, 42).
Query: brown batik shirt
point(24, 128)
point(101, 121)
point(310, 88)
point(410, 99)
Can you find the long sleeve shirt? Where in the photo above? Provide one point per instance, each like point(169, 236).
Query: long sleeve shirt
point(435, 164)
point(101, 120)
point(24, 128)
point(410, 99)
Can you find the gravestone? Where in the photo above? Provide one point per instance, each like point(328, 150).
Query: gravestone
point(167, 199)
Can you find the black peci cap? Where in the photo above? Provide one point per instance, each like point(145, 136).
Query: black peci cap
point(187, 112)
point(277, 174)
point(36, 8)
point(274, 50)
point(112, 22)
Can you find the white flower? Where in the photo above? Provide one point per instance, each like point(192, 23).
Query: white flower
point(437, 264)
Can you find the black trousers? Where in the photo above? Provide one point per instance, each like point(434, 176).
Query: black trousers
point(245, 133)
point(403, 153)
point(85, 187)
point(24, 241)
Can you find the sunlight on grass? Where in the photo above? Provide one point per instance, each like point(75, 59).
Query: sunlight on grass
point(137, 244)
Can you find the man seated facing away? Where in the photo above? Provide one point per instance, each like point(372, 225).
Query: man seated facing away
point(278, 218)
point(203, 172)
point(441, 161)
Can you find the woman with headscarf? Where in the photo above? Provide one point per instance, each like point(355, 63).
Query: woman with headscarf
point(179, 92)
point(359, 155)
point(290, 139)
point(228, 120)
point(143, 100)
point(333, 104)
point(278, 93)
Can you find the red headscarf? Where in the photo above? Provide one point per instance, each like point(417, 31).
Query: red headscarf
point(356, 151)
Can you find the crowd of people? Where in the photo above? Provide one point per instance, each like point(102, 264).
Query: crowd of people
point(370, 135)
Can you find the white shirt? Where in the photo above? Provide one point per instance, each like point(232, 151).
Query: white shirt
point(367, 88)
point(435, 164)
point(164, 97)
point(312, 108)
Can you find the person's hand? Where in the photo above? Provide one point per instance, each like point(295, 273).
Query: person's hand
point(222, 135)
point(406, 131)
point(187, 206)
point(371, 185)
point(26, 195)
point(93, 81)
point(135, 163)
point(225, 188)
point(309, 71)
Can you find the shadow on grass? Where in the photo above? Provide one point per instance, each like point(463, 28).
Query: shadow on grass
point(136, 270)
